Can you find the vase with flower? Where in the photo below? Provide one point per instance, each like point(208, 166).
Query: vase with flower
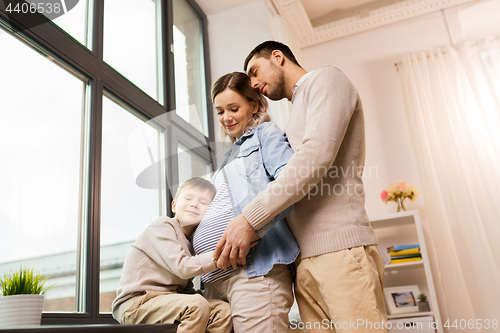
point(398, 192)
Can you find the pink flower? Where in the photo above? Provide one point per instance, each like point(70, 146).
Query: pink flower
point(384, 195)
point(403, 187)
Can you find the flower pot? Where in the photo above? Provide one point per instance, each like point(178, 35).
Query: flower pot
point(20, 310)
point(423, 307)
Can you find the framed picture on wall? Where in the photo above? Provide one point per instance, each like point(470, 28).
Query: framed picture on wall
point(401, 299)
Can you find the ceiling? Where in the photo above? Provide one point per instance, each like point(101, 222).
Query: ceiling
point(322, 12)
point(212, 7)
point(317, 21)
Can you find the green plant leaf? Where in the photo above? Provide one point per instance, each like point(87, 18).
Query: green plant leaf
point(24, 281)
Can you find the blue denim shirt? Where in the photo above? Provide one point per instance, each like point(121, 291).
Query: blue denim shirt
point(255, 160)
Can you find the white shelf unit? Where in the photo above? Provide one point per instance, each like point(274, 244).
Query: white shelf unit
point(400, 229)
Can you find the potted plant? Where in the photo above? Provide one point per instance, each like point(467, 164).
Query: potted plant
point(423, 305)
point(21, 302)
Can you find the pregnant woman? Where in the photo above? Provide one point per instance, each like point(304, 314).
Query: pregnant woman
point(260, 293)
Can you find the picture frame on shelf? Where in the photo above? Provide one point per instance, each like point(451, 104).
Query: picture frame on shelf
point(401, 299)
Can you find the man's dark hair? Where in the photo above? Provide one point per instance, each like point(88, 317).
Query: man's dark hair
point(265, 49)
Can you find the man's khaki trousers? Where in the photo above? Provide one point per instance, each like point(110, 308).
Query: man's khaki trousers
point(342, 291)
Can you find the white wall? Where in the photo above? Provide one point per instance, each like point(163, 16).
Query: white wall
point(481, 20)
point(232, 35)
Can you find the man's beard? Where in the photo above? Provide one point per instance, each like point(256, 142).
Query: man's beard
point(277, 91)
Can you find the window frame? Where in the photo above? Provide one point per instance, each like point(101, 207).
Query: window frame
point(103, 79)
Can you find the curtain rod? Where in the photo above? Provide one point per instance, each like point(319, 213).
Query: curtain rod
point(399, 63)
point(428, 53)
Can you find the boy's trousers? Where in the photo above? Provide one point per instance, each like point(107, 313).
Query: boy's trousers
point(193, 311)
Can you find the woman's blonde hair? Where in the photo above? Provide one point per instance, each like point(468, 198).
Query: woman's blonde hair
point(240, 82)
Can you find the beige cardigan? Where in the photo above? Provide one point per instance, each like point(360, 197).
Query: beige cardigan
point(160, 260)
point(326, 131)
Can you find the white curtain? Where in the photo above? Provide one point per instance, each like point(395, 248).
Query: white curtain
point(452, 100)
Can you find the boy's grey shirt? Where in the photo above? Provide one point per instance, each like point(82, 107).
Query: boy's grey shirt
point(161, 259)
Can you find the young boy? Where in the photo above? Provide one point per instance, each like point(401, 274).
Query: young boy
point(156, 283)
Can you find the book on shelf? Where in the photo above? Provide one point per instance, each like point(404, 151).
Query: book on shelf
point(406, 256)
point(403, 247)
point(400, 261)
point(404, 252)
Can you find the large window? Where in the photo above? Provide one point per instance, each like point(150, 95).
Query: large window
point(41, 144)
point(91, 152)
point(191, 164)
point(131, 33)
point(73, 16)
point(190, 96)
point(130, 188)
point(77, 20)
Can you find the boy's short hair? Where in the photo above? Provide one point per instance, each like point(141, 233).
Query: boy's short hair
point(265, 49)
point(196, 182)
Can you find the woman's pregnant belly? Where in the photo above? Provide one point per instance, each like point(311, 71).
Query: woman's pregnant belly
point(211, 228)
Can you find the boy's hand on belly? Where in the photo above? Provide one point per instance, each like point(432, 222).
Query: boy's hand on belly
point(235, 243)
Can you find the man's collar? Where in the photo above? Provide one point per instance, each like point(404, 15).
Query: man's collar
point(298, 83)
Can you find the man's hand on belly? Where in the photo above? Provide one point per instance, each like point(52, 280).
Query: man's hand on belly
point(235, 243)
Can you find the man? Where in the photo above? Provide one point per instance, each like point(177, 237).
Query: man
point(339, 277)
